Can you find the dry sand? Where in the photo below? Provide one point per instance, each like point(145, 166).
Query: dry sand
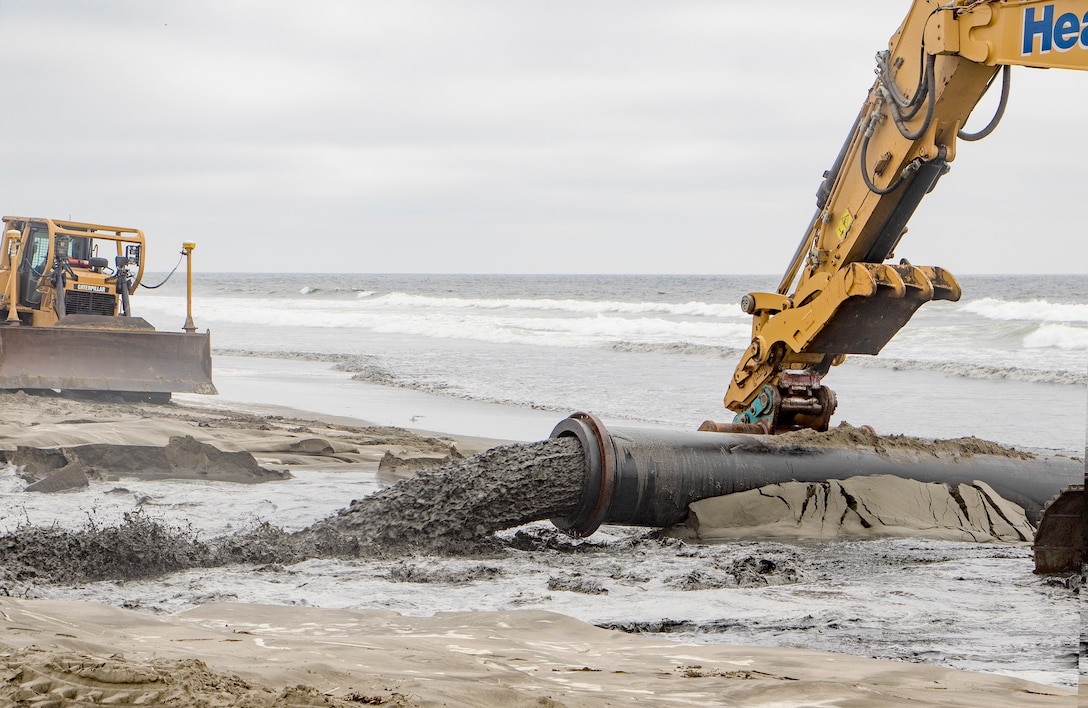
point(61, 653)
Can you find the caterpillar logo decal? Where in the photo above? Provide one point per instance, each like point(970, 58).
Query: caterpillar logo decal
point(1062, 33)
point(92, 288)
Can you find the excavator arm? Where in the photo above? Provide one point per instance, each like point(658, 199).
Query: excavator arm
point(840, 294)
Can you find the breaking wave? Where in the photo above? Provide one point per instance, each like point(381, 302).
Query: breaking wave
point(680, 348)
point(1030, 310)
point(687, 309)
point(314, 290)
point(1060, 336)
point(976, 371)
point(592, 328)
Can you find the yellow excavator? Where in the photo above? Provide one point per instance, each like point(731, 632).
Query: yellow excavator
point(840, 294)
point(66, 320)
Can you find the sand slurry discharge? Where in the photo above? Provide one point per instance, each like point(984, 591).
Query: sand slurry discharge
point(453, 509)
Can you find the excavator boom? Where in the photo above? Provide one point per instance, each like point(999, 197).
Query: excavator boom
point(839, 294)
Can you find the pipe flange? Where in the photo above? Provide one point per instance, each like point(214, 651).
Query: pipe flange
point(596, 499)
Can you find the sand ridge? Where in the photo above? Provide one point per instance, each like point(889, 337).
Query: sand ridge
point(846, 436)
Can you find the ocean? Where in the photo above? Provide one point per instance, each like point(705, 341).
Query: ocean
point(507, 356)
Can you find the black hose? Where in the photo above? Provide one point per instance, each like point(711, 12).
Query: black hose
point(865, 171)
point(929, 98)
point(920, 90)
point(1006, 77)
point(168, 276)
point(930, 101)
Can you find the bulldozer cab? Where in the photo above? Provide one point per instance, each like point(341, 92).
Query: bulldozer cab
point(69, 268)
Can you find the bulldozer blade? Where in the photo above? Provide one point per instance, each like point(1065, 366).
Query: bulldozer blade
point(115, 360)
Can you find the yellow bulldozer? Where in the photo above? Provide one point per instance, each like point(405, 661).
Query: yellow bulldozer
point(66, 321)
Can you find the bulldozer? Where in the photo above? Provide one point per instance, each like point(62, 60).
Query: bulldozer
point(67, 322)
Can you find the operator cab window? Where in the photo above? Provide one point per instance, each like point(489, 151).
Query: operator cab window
point(34, 261)
point(80, 247)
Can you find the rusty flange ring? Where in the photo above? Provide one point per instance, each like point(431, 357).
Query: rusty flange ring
point(600, 473)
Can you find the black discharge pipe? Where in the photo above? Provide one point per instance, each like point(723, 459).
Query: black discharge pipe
point(643, 477)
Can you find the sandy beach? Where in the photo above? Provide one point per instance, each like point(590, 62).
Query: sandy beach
point(553, 355)
point(223, 653)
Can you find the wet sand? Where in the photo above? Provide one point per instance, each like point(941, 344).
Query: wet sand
point(226, 655)
point(239, 654)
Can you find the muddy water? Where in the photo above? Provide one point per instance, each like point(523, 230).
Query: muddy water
point(449, 510)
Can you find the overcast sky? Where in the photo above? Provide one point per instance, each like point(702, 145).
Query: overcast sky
point(585, 136)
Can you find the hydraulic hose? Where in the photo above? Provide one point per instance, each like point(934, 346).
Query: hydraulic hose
point(1006, 78)
point(930, 100)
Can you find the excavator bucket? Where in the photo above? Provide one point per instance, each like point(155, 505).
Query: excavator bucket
point(115, 354)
